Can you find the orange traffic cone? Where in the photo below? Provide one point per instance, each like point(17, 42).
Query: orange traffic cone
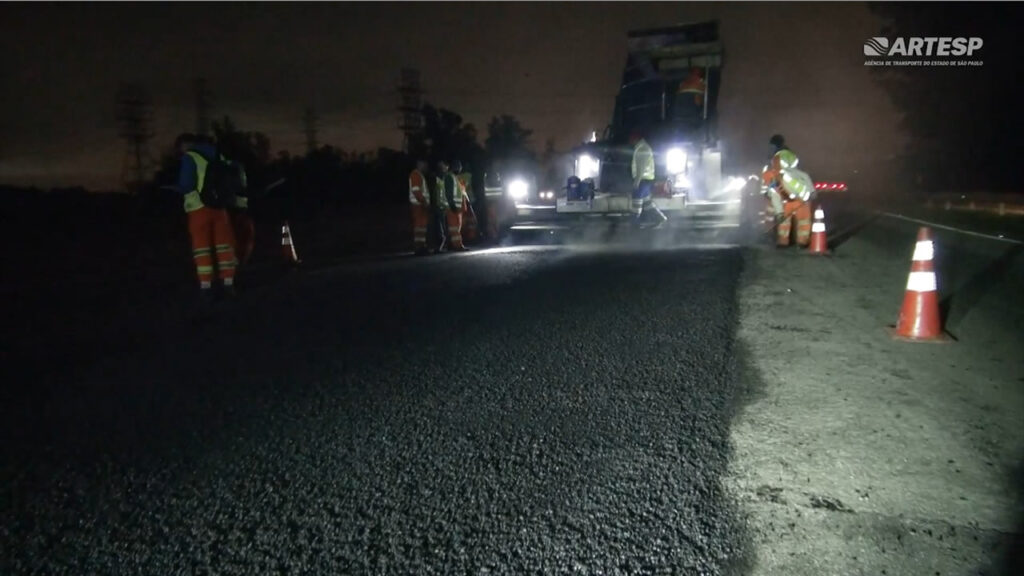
point(469, 231)
point(919, 318)
point(819, 241)
point(287, 246)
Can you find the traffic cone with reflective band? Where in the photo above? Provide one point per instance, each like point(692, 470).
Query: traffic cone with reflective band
point(919, 318)
point(819, 241)
point(287, 246)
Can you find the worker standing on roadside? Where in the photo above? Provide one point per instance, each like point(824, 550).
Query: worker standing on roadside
point(419, 203)
point(465, 178)
point(789, 190)
point(208, 223)
point(241, 222)
point(439, 208)
point(643, 178)
point(455, 196)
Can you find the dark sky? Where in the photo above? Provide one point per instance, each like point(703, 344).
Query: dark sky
point(555, 66)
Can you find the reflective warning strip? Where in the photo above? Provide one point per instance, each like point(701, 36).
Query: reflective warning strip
point(221, 248)
point(204, 269)
point(924, 250)
point(921, 282)
point(819, 214)
point(201, 251)
point(818, 227)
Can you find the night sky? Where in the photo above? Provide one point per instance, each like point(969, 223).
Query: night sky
point(554, 66)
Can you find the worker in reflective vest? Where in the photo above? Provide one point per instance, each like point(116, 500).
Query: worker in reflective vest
point(419, 203)
point(241, 222)
point(455, 197)
point(209, 228)
point(469, 228)
point(643, 178)
point(789, 190)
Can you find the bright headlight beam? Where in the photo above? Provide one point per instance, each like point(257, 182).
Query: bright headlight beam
point(587, 167)
point(518, 189)
point(675, 161)
point(735, 184)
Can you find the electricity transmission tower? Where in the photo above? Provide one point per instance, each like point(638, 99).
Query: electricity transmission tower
point(135, 120)
point(410, 109)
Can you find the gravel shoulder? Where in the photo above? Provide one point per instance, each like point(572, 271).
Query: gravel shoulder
point(857, 454)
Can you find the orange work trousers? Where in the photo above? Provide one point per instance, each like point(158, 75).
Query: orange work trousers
point(420, 221)
point(802, 212)
point(245, 235)
point(455, 226)
point(211, 234)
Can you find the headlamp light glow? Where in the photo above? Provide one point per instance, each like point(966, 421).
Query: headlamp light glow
point(675, 161)
point(587, 167)
point(518, 189)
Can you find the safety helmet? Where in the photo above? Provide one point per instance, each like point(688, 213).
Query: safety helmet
point(778, 141)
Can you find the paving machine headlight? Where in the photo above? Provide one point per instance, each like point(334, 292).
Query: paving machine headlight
point(675, 161)
point(735, 184)
point(518, 189)
point(587, 167)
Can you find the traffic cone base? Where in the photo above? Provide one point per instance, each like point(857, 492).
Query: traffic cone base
point(919, 319)
point(941, 338)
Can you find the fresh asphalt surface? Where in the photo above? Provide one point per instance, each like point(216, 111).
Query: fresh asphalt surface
point(534, 410)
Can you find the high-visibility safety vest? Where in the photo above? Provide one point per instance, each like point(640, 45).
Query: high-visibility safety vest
point(451, 192)
point(440, 198)
point(466, 181)
point(796, 183)
point(192, 200)
point(643, 161)
point(418, 193)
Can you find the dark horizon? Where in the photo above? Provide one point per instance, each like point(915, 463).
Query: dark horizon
point(559, 80)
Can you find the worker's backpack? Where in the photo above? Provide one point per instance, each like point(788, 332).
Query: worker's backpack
point(222, 184)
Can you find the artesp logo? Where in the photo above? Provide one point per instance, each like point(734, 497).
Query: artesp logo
point(922, 46)
point(876, 46)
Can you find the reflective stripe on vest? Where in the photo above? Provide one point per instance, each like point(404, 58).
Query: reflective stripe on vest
point(797, 184)
point(192, 201)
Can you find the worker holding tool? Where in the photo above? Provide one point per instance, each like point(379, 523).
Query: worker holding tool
point(643, 178)
point(465, 178)
point(438, 210)
point(789, 190)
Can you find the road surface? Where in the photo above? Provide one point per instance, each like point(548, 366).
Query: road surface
point(536, 410)
point(703, 409)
